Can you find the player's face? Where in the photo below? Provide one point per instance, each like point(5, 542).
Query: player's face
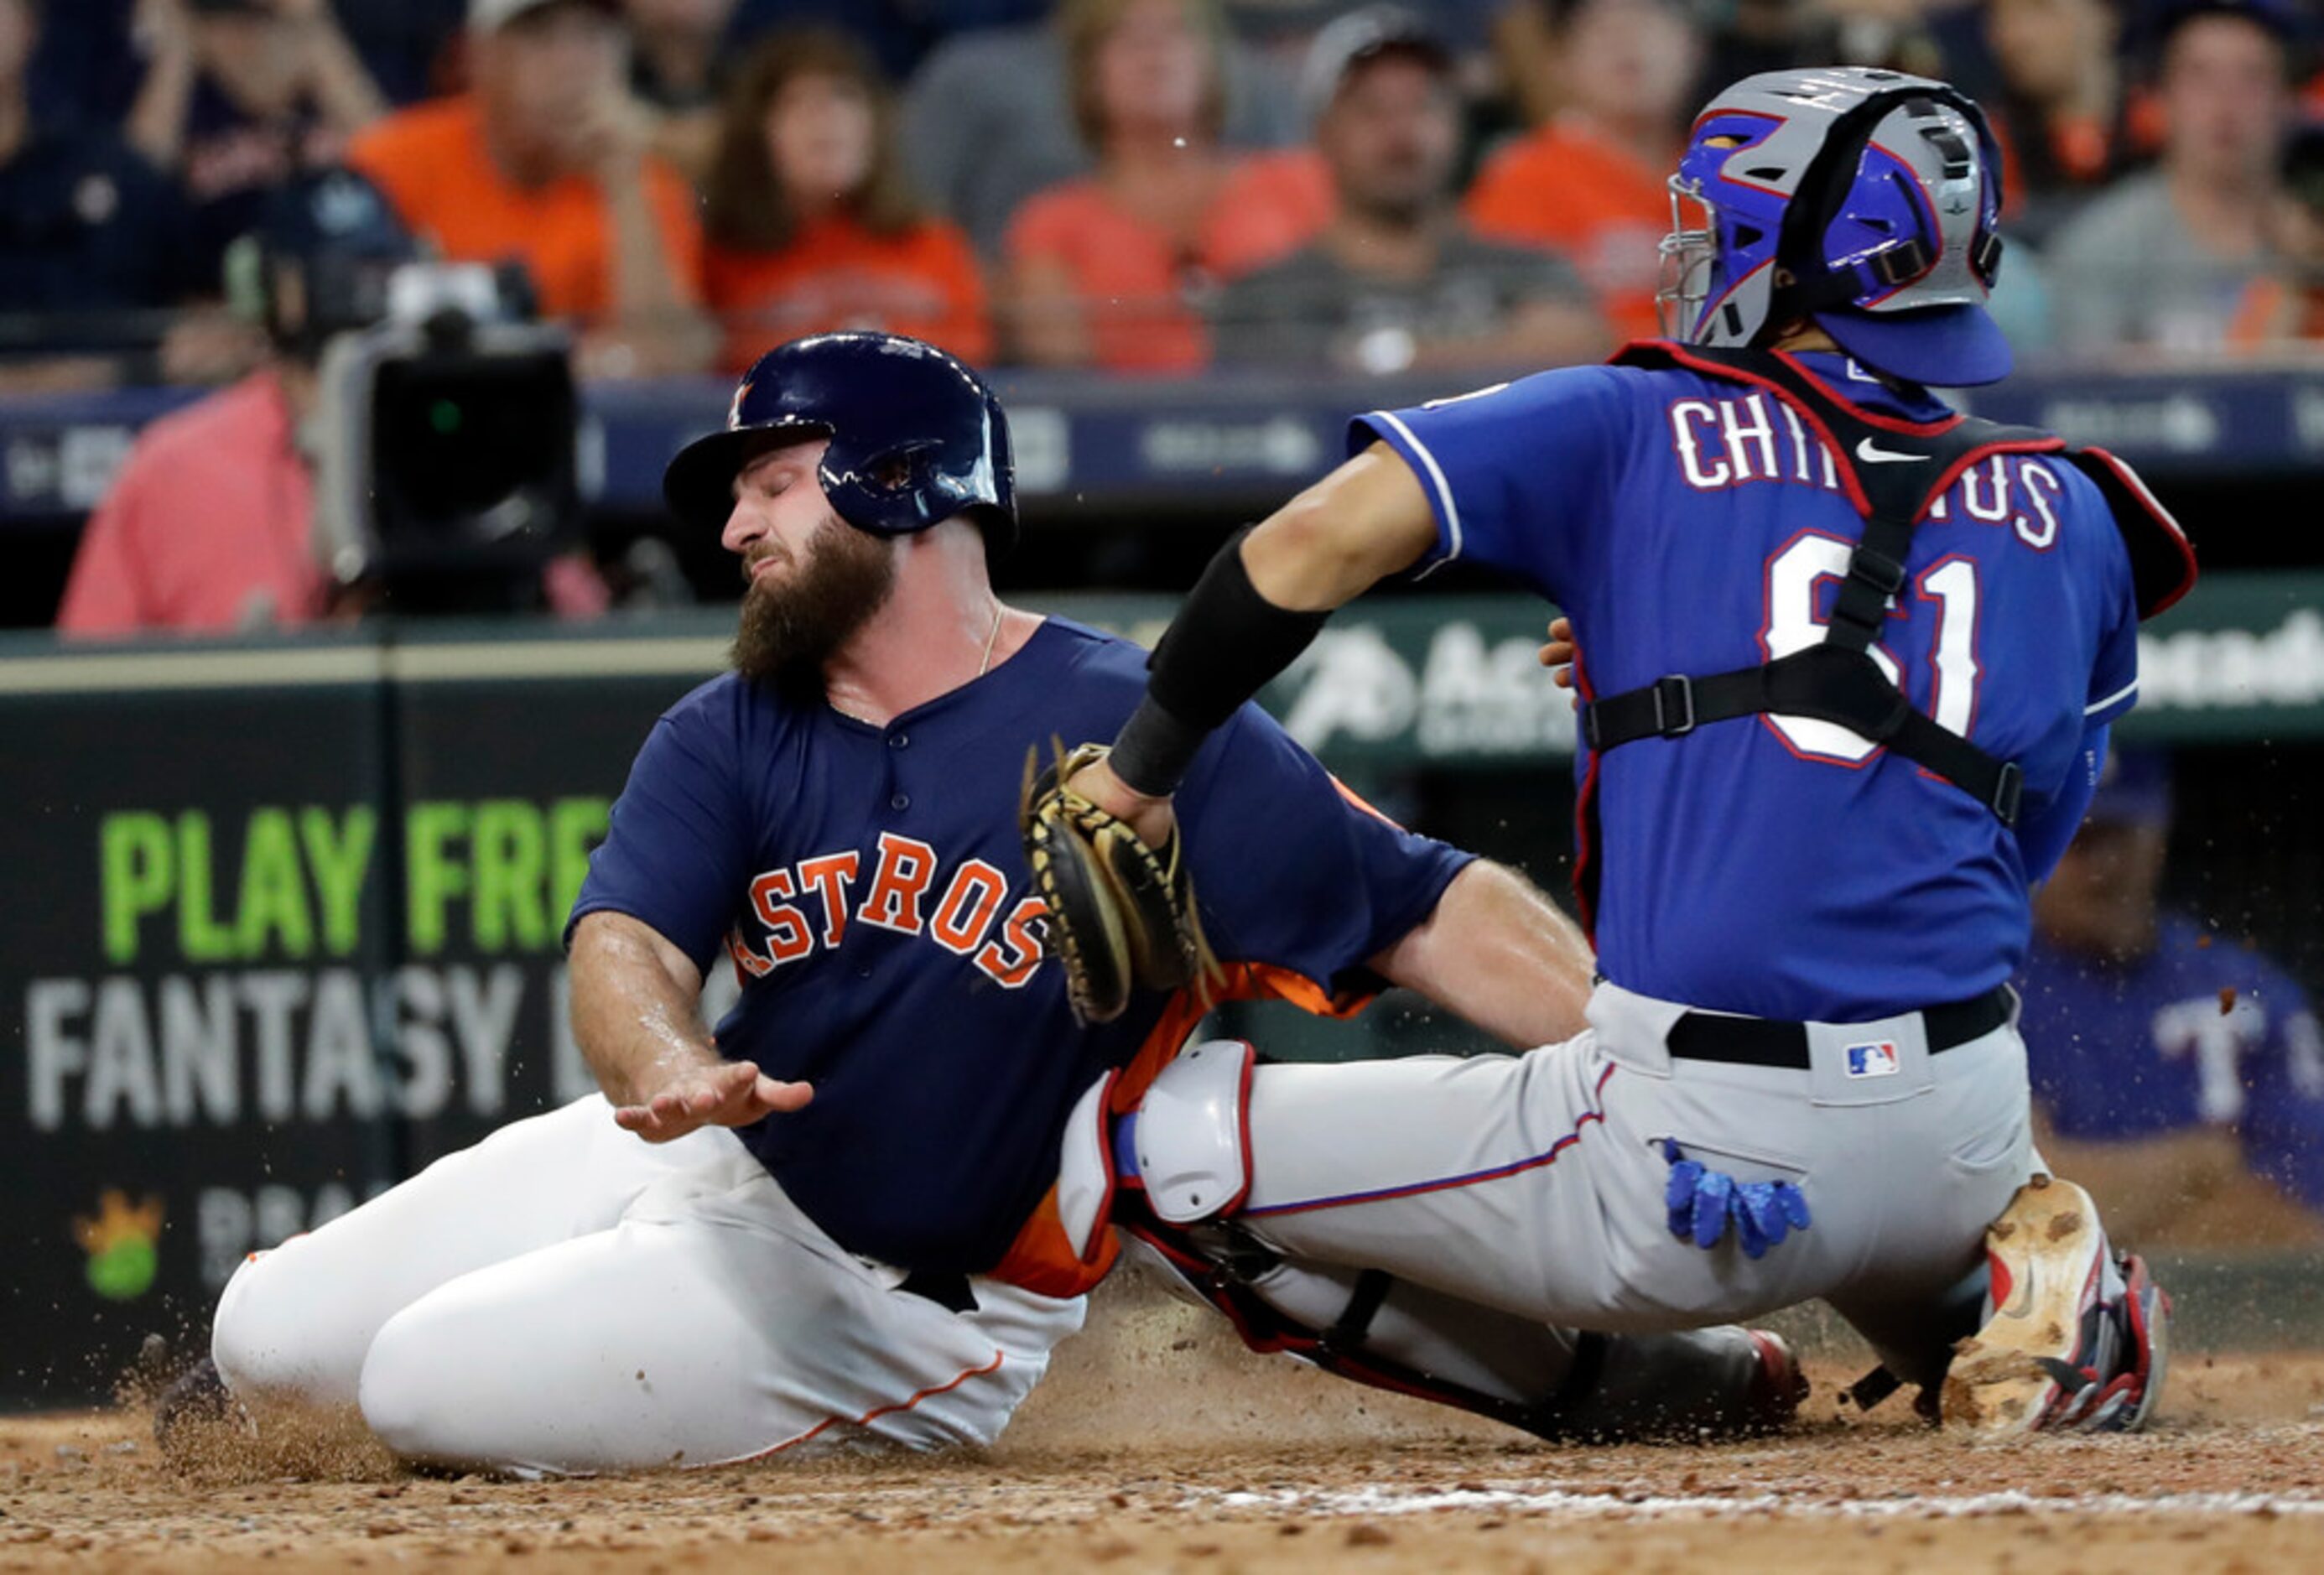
point(1390, 138)
point(778, 502)
point(2101, 899)
point(813, 579)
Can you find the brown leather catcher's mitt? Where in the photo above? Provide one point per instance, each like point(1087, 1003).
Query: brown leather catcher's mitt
point(1121, 914)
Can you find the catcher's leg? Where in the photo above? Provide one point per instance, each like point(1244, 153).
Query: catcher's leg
point(1531, 1183)
point(1555, 1383)
point(294, 1323)
point(714, 1323)
point(1189, 1150)
point(1912, 1330)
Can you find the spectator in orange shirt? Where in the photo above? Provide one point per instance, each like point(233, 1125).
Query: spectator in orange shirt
point(209, 526)
point(544, 162)
point(1109, 271)
point(1592, 181)
point(810, 225)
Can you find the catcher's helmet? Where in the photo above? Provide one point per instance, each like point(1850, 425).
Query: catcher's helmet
point(1864, 199)
point(916, 437)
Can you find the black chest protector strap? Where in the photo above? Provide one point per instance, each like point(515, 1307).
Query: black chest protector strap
point(1893, 473)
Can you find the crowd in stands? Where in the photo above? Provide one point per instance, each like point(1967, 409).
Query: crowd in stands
point(1134, 186)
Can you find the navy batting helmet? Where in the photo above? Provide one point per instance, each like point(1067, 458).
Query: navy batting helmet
point(916, 437)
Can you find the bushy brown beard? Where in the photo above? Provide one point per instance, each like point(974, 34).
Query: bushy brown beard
point(792, 626)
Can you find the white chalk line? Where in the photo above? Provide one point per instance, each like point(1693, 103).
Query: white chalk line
point(1600, 1504)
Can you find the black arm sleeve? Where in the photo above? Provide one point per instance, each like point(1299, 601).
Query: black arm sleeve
point(1226, 642)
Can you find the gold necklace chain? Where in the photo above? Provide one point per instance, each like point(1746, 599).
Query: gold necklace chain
point(985, 666)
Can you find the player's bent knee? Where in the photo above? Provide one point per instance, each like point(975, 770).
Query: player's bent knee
point(272, 1336)
point(405, 1390)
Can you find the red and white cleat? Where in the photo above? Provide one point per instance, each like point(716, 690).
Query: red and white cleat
point(1778, 1389)
point(2074, 1338)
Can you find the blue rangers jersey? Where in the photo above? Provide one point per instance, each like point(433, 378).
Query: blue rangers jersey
point(869, 885)
point(2187, 1036)
point(1689, 523)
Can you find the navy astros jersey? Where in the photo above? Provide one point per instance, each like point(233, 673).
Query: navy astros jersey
point(2144, 1048)
point(1689, 524)
point(869, 885)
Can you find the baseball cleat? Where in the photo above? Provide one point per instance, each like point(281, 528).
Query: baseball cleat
point(196, 1400)
point(2066, 1345)
point(1778, 1389)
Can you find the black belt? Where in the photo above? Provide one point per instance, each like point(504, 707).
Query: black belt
point(1762, 1042)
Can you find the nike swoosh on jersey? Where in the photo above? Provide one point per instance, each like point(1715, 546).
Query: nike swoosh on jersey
point(1872, 453)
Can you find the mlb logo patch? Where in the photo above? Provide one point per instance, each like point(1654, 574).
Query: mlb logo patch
point(1877, 1059)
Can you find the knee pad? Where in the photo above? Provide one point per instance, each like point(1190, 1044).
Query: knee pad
point(1187, 1146)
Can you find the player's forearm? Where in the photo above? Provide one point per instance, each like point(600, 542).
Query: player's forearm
point(1500, 953)
point(1261, 602)
point(635, 1002)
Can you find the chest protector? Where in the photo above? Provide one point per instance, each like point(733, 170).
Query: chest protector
point(1892, 471)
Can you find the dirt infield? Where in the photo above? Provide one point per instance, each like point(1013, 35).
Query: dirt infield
point(1154, 1445)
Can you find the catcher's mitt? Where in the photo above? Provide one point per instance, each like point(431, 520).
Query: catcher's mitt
point(1121, 913)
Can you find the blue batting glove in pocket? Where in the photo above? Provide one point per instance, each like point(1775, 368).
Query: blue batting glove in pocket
point(1704, 1205)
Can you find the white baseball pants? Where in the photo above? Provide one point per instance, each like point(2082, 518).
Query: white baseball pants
point(564, 1297)
point(1536, 1184)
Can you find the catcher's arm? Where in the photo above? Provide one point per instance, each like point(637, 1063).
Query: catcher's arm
point(1501, 955)
point(1099, 831)
point(1256, 608)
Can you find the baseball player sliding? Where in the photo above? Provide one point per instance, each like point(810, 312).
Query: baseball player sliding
point(873, 1203)
point(1849, 662)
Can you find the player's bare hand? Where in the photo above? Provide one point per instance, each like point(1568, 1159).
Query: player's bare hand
point(733, 1093)
point(1558, 655)
point(1151, 818)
